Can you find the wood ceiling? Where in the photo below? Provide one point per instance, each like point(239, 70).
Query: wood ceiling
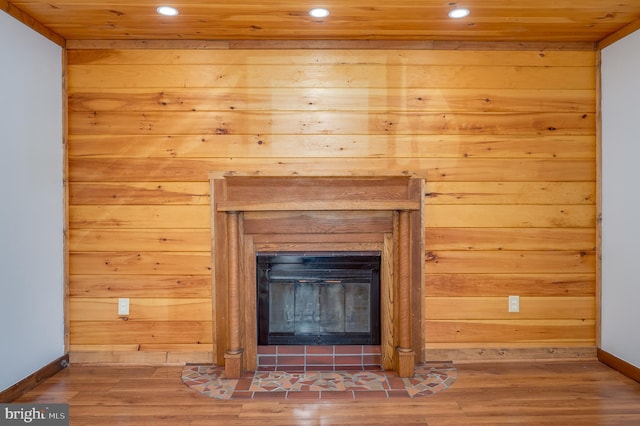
point(490, 20)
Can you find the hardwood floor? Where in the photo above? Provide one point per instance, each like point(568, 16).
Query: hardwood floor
point(552, 393)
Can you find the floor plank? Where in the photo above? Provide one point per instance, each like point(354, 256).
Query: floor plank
point(524, 393)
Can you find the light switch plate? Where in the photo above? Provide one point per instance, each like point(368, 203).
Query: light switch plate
point(514, 303)
point(123, 306)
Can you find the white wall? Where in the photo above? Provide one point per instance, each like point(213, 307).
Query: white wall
point(621, 199)
point(31, 202)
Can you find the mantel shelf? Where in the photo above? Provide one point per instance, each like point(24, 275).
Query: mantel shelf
point(340, 205)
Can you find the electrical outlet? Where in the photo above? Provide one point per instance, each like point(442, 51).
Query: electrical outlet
point(514, 303)
point(123, 306)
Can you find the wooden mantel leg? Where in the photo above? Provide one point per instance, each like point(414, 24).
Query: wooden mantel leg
point(406, 355)
point(233, 356)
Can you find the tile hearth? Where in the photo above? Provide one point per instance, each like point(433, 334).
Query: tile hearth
point(429, 378)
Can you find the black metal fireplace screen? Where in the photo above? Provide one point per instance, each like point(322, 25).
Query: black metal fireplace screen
point(318, 298)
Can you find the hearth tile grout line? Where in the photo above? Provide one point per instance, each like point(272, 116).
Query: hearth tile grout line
point(313, 360)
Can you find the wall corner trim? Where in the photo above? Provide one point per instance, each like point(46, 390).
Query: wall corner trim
point(32, 23)
point(618, 35)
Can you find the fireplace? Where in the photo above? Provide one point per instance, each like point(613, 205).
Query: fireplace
point(255, 213)
point(325, 298)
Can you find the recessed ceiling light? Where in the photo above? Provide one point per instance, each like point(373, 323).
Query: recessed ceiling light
point(458, 13)
point(319, 12)
point(167, 11)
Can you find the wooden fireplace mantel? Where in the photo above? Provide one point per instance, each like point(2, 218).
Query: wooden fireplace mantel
point(252, 212)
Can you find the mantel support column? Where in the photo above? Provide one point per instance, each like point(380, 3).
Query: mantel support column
point(233, 356)
point(406, 355)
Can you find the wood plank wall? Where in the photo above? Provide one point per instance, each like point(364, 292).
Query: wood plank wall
point(506, 138)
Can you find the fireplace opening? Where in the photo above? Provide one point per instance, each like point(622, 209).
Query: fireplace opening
point(323, 298)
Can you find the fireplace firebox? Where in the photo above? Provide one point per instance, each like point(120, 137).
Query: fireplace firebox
point(325, 298)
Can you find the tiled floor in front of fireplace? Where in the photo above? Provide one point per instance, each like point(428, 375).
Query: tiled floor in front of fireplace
point(429, 378)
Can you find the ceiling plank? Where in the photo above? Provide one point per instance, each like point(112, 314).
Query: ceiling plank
point(327, 44)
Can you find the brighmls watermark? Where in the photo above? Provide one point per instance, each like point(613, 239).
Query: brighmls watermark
point(34, 414)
